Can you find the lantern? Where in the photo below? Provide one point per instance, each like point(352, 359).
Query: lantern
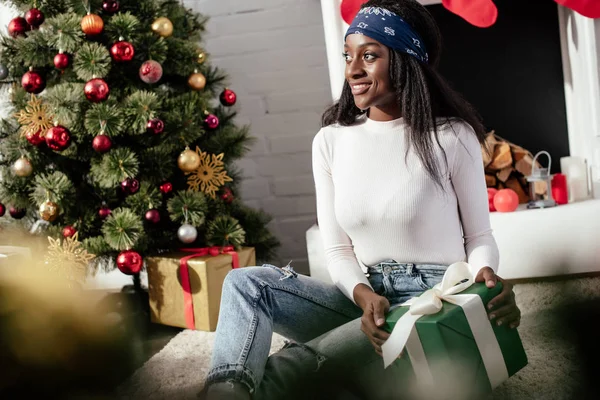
point(540, 184)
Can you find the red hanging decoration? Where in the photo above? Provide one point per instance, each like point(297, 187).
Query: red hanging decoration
point(96, 90)
point(122, 51)
point(61, 60)
point(129, 262)
point(587, 8)
point(350, 8)
point(480, 13)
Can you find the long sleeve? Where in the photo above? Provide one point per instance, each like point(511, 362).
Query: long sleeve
point(468, 179)
point(342, 263)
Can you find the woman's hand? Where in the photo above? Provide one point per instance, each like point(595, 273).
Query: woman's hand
point(502, 308)
point(374, 307)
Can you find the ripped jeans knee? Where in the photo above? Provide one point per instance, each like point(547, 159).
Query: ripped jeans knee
point(286, 272)
point(308, 353)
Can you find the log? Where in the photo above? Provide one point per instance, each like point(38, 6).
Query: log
point(514, 184)
point(490, 180)
point(519, 152)
point(524, 165)
point(501, 158)
point(504, 173)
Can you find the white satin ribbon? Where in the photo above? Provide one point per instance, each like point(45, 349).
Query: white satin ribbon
point(430, 302)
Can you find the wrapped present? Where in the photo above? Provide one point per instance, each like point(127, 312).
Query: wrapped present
point(185, 287)
point(446, 342)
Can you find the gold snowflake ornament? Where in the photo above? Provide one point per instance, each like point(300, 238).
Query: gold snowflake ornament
point(68, 259)
point(210, 175)
point(34, 118)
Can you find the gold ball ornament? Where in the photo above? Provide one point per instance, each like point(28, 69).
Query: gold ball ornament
point(188, 161)
point(162, 26)
point(197, 81)
point(92, 24)
point(22, 167)
point(49, 211)
point(201, 57)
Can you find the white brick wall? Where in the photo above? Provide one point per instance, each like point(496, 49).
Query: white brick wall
point(274, 54)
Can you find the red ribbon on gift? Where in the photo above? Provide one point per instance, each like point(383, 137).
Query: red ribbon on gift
point(184, 273)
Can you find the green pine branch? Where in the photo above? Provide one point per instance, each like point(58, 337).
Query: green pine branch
point(122, 26)
point(149, 47)
point(91, 61)
point(105, 117)
point(234, 141)
point(114, 167)
point(33, 50)
point(55, 187)
point(122, 229)
point(139, 108)
point(96, 245)
point(187, 206)
point(156, 161)
point(225, 230)
point(146, 198)
point(65, 32)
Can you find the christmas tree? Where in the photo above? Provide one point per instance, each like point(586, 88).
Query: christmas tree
point(122, 135)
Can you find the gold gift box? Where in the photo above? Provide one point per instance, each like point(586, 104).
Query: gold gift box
point(206, 274)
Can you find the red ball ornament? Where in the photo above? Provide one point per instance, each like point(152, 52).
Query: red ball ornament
point(129, 262)
point(227, 195)
point(506, 200)
point(151, 71)
point(102, 143)
point(18, 26)
point(61, 61)
point(155, 126)
point(34, 17)
point(2, 210)
point(166, 188)
point(122, 51)
point(211, 121)
point(17, 213)
point(228, 97)
point(349, 9)
point(96, 90)
point(69, 231)
point(58, 138)
point(491, 193)
point(153, 216)
point(33, 82)
point(34, 138)
point(104, 212)
point(130, 186)
point(110, 6)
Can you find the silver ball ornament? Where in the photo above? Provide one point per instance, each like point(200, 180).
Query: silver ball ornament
point(187, 233)
point(3, 71)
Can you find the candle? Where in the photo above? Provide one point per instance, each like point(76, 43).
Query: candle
point(575, 169)
point(559, 189)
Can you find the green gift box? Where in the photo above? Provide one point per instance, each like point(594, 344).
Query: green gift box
point(452, 354)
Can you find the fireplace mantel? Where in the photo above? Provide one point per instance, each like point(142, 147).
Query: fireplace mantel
point(580, 48)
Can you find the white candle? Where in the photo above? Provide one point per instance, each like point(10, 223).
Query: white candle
point(575, 168)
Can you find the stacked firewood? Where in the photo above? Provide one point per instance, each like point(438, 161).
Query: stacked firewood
point(507, 165)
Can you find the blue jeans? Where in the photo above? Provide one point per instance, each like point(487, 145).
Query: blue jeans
point(323, 325)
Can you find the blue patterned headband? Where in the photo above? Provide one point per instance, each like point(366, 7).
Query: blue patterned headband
point(389, 29)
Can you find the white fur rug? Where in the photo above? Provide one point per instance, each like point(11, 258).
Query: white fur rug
point(554, 370)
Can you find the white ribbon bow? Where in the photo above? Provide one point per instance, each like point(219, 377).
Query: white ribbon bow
point(457, 278)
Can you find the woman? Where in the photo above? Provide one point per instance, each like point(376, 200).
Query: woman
point(400, 189)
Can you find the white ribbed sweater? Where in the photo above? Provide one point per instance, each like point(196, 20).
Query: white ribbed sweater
point(375, 204)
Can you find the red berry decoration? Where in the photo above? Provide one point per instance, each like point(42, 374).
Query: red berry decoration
point(33, 82)
point(61, 60)
point(211, 121)
point(2, 210)
point(34, 17)
point(130, 186)
point(69, 231)
point(227, 195)
point(491, 193)
point(58, 138)
point(35, 138)
point(17, 213)
point(110, 6)
point(166, 188)
point(151, 71)
point(96, 90)
point(122, 51)
point(155, 126)
point(130, 262)
point(104, 212)
point(153, 216)
point(18, 26)
point(102, 143)
point(506, 200)
point(228, 97)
